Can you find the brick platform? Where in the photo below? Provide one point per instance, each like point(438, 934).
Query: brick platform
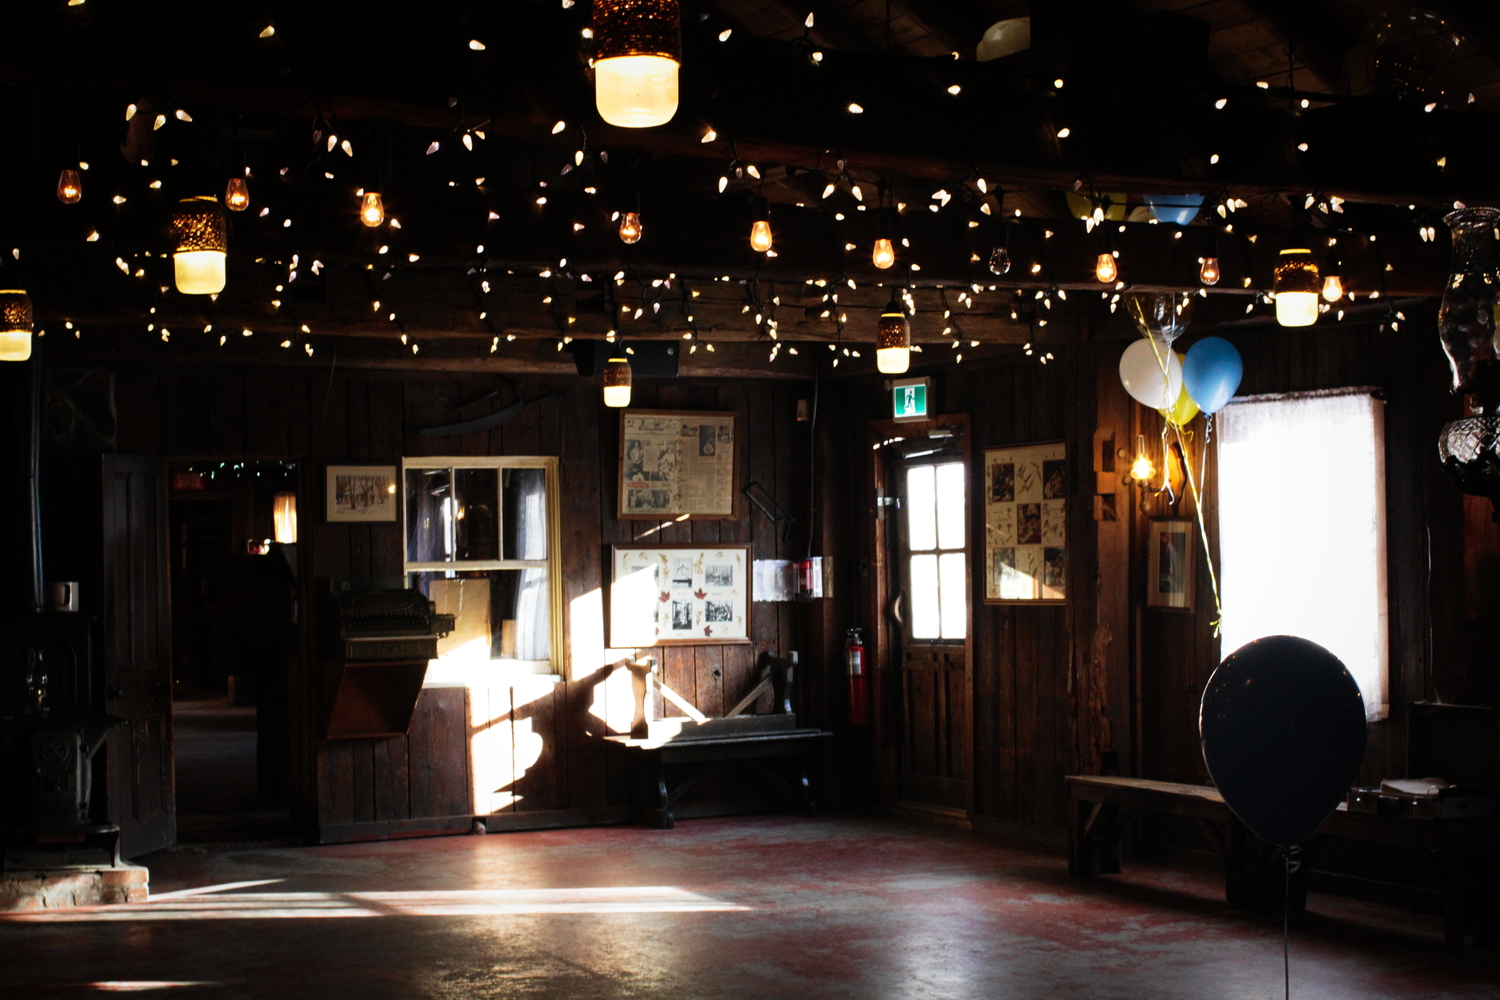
point(23, 889)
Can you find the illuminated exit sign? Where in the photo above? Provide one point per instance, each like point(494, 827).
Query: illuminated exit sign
point(910, 398)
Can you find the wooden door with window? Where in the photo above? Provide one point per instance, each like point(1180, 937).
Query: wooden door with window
point(928, 604)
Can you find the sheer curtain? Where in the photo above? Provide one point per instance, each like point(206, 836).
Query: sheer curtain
point(1302, 527)
point(533, 618)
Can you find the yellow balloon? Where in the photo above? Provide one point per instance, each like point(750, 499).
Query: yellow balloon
point(1182, 411)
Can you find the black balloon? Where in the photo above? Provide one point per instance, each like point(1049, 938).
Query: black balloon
point(1283, 730)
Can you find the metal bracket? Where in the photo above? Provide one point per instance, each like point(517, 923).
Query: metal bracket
point(780, 515)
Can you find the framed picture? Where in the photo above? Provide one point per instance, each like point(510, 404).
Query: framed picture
point(1171, 559)
point(1026, 524)
point(678, 466)
point(670, 595)
point(362, 493)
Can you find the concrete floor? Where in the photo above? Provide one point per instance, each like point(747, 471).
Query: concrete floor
point(752, 908)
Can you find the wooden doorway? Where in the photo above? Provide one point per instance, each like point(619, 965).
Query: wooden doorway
point(927, 557)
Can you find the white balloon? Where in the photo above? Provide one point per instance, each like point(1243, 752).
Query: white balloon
point(1140, 371)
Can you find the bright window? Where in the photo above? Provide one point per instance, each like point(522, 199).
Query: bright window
point(1302, 527)
point(935, 541)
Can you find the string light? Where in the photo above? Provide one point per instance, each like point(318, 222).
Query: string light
point(760, 236)
point(69, 187)
point(637, 53)
point(237, 195)
point(630, 227)
point(1105, 268)
point(884, 254)
point(1333, 288)
point(1208, 271)
point(371, 209)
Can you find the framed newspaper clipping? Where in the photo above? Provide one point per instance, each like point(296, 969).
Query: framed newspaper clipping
point(679, 595)
point(678, 466)
point(1026, 524)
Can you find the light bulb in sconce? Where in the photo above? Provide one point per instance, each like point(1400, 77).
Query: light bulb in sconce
point(1105, 268)
point(760, 236)
point(893, 340)
point(1333, 288)
point(237, 195)
point(371, 209)
point(1000, 261)
point(1297, 287)
point(15, 325)
point(884, 254)
point(1142, 470)
point(69, 187)
point(630, 227)
point(202, 244)
point(637, 53)
point(1208, 273)
point(617, 382)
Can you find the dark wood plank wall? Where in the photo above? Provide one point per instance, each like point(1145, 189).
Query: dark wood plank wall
point(380, 787)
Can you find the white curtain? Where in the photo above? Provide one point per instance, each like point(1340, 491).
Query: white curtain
point(533, 617)
point(1302, 527)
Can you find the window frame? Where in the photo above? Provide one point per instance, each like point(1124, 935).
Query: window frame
point(905, 553)
point(550, 466)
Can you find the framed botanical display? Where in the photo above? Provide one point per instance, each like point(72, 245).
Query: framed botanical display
point(362, 493)
point(678, 465)
point(669, 595)
point(1170, 563)
point(1026, 523)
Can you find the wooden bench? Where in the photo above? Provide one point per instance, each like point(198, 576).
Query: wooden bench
point(1462, 854)
point(657, 749)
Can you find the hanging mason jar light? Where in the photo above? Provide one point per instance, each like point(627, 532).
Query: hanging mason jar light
point(237, 195)
point(637, 53)
point(199, 231)
point(617, 381)
point(15, 325)
point(69, 187)
point(1297, 288)
point(893, 340)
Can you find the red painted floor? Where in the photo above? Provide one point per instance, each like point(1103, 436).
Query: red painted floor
point(752, 908)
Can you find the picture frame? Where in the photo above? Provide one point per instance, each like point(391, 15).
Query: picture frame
point(679, 595)
point(1026, 489)
point(678, 465)
point(1171, 563)
point(362, 493)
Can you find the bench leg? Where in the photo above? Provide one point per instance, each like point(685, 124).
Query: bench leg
point(1080, 852)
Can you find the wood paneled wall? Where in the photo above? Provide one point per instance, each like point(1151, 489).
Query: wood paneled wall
point(420, 783)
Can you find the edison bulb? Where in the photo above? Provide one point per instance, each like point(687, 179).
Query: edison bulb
point(1105, 268)
point(636, 91)
point(1142, 469)
point(69, 187)
point(237, 195)
point(1209, 272)
point(372, 209)
point(630, 227)
point(1333, 288)
point(1000, 261)
point(760, 236)
point(884, 255)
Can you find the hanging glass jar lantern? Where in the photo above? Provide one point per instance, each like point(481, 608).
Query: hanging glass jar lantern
point(1470, 448)
point(200, 233)
point(1297, 287)
point(617, 381)
point(893, 340)
point(69, 187)
point(637, 53)
point(16, 322)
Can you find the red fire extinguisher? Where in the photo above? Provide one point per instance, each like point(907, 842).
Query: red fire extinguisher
point(859, 678)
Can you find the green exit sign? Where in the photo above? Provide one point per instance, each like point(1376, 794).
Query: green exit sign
point(910, 398)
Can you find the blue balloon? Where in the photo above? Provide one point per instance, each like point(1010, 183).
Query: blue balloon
point(1212, 371)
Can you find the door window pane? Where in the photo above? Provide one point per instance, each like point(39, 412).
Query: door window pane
point(950, 505)
point(920, 529)
point(952, 588)
point(925, 614)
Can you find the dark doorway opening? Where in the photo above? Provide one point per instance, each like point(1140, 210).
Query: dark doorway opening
point(234, 622)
